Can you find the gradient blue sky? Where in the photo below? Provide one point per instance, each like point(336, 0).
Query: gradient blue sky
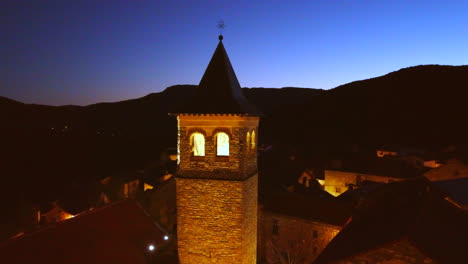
point(83, 52)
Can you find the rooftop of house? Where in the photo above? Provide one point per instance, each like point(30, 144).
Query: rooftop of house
point(410, 210)
point(387, 166)
point(315, 208)
point(118, 233)
point(356, 194)
point(456, 189)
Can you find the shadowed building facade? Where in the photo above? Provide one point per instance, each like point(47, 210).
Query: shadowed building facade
point(217, 178)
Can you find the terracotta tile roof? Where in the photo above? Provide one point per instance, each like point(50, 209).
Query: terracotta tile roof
point(118, 233)
point(404, 210)
point(321, 209)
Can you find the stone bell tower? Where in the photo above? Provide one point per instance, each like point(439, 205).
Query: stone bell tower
point(216, 182)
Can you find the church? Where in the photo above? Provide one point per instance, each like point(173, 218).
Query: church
point(217, 177)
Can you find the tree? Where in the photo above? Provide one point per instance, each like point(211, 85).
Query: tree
point(291, 252)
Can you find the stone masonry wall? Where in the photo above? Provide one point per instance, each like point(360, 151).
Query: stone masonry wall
point(217, 195)
point(250, 208)
point(217, 220)
point(302, 239)
point(242, 160)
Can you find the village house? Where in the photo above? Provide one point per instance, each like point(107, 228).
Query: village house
point(338, 182)
point(451, 169)
point(351, 172)
point(160, 203)
point(454, 191)
point(401, 222)
point(54, 213)
point(120, 186)
point(120, 232)
point(298, 227)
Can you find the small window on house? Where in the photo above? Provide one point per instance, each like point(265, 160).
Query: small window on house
point(125, 190)
point(248, 141)
point(197, 142)
point(222, 144)
point(275, 229)
point(253, 140)
point(338, 189)
point(315, 234)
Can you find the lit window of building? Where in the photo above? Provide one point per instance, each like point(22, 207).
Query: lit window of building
point(253, 140)
point(248, 141)
point(222, 144)
point(197, 141)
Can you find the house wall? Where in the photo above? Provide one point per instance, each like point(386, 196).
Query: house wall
point(298, 239)
point(56, 214)
point(160, 203)
point(453, 169)
point(337, 182)
point(130, 189)
point(383, 153)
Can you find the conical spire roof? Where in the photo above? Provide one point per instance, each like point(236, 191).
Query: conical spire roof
point(219, 91)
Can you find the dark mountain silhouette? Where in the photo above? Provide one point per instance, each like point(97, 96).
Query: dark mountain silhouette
point(422, 105)
point(45, 147)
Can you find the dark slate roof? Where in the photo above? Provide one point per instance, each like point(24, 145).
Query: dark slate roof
point(117, 233)
point(410, 210)
point(386, 166)
point(219, 91)
point(356, 194)
point(457, 189)
point(314, 208)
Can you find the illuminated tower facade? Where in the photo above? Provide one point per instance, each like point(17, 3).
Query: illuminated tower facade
point(216, 182)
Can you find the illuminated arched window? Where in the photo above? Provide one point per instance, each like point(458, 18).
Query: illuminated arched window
point(253, 140)
point(248, 141)
point(222, 144)
point(197, 142)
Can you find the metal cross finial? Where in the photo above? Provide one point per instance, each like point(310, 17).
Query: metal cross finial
point(221, 26)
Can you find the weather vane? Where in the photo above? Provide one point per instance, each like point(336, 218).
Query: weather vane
point(221, 26)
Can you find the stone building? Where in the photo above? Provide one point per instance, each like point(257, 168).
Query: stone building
point(216, 182)
point(117, 233)
point(295, 228)
point(55, 214)
point(452, 169)
point(160, 203)
point(405, 222)
point(338, 182)
point(354, 171)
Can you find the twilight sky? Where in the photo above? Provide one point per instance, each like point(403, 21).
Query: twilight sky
point(83, 52)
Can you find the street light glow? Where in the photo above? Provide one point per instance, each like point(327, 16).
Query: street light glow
point(151, 247)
